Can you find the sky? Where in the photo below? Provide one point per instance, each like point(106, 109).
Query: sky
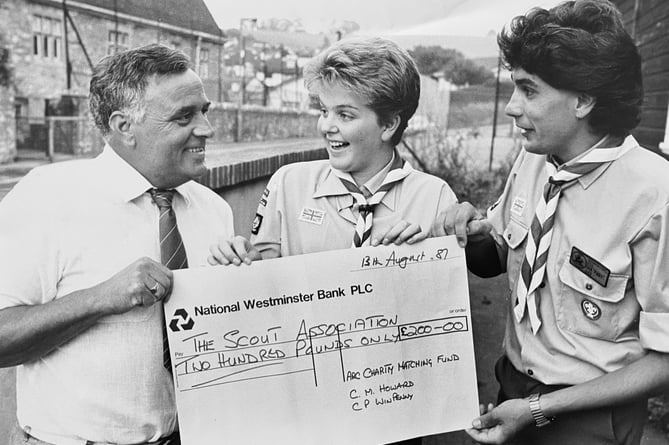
point(404, 17)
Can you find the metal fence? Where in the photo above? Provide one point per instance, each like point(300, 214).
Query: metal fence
point(52, 135)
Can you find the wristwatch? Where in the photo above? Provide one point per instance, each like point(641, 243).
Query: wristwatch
point(540, 419)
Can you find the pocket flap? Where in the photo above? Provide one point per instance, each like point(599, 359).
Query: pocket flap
point(514, 234)
point(613, 292)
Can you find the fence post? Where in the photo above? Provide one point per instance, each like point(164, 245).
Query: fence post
point(50, 146)
point(240, 122)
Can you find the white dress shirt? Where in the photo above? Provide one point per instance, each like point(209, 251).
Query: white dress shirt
point(70, 226)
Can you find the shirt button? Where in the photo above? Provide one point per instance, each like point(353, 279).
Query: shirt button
point(530, 372)
point(508, 236)
point(588, 286)
point(542, 285)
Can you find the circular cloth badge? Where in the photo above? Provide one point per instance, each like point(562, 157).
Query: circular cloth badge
point(590, 309)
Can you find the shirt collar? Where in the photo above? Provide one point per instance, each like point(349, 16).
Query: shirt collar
point(330, 185)
point(122, 180)
point(373, 184)
point(589, 178)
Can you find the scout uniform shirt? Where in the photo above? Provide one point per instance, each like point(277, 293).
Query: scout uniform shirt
point(306, 208)
point(604, 299)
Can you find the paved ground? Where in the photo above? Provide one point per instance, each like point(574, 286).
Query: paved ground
point(486, 304)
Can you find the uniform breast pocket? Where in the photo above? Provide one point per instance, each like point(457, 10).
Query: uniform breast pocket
point(587, 308)
point(514, 235)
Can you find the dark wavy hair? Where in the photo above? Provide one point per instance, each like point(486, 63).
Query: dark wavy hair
point(581, 46)
point(119, 81)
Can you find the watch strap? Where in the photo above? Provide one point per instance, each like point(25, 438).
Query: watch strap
point(540, 419)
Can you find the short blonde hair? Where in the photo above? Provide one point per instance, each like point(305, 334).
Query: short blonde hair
point(375, 69)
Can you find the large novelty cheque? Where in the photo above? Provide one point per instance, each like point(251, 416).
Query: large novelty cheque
point(355, 346)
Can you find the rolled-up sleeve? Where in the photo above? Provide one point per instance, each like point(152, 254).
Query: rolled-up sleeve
point(28, 258)
point(266, 230)
point(650, 255)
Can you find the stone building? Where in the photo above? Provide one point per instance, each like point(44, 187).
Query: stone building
point(51, 46)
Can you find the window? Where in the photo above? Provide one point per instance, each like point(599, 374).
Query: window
point(204, 63)
point(47, 36)
point(117, 41)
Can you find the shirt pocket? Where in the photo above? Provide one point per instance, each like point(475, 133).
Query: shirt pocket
point(514, 236)
point(515, 233)
point(587, 308)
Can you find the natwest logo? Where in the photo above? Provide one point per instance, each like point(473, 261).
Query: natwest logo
point(181, 321)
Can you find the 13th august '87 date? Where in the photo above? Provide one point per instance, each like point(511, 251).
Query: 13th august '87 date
point(402, 261)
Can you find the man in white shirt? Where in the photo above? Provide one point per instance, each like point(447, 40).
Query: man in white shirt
point(83, 248)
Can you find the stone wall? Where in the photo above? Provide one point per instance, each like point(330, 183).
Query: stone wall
point(7, 126)
point(39, 78)
point(260, 123)
point(79, 136)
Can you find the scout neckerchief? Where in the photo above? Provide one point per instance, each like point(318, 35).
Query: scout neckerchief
point(533, 267)
point(365, 201)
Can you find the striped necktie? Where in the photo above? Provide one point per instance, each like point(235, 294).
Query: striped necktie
point(365, 202)
point(172, 251)
point(533, 268)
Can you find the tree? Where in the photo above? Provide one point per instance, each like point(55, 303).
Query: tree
point(456, 68)
point(5, 67)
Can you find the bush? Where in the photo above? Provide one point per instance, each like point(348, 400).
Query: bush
point(658, 413)
point(470, 178)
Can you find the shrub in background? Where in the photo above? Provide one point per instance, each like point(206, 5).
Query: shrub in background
point(469, 176)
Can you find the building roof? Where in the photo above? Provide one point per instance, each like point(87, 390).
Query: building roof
point(189, 14)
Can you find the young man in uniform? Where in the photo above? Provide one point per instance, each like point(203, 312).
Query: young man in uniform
point(582, 230)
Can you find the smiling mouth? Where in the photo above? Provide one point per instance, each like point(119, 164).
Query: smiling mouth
point(524, 131)
point(337, 145)
point(195, 150)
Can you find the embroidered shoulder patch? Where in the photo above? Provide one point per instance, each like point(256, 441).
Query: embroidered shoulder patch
point(257, 222)
point(263, 198)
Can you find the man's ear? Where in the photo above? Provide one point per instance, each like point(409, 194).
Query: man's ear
point(390, 127)
point(584, 105)
point(120, 127)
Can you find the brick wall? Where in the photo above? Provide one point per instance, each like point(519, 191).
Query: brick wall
point(648, 22)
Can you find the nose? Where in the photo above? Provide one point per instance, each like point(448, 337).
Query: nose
point(203, 128)
point(513, 107)
point(326, 124)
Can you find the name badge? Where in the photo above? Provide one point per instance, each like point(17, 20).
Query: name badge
point(312, 216)
point(517, 206)
point(589, 266)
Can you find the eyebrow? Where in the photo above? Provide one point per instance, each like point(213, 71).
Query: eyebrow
point(193, 107)
point(341, 106)
point(524, 82)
